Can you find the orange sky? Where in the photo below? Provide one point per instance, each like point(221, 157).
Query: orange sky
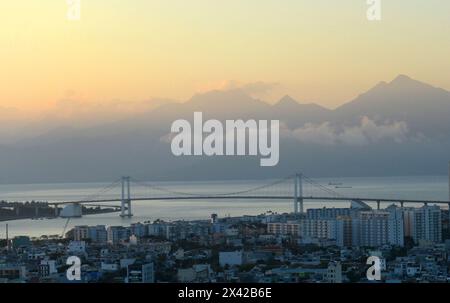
point(316, 51)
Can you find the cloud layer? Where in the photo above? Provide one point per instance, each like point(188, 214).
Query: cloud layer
point(258, 89)
point(368, 131)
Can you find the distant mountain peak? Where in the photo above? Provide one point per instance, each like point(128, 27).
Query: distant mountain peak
point(406, 81)
point(287, 100)
point(402, 77)
point(403, 99)
point(402, 84)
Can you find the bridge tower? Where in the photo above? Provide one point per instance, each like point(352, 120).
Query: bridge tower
point(298, 194)
point(125, 206)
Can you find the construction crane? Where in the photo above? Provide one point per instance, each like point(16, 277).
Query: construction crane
point(65, 227)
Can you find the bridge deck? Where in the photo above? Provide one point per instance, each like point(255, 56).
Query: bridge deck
point(218, 197)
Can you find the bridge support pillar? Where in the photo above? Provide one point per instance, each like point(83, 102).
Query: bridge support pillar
point(56, 210)
point(125, 206)
point(402, 204)
point(378, 205)
point(298, 194)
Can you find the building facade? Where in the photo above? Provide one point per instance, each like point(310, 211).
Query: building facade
point(427, 224)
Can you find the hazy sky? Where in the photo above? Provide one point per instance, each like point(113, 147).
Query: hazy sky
point(323, 51)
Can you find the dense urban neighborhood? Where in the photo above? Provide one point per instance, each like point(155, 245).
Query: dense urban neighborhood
point(325, 245)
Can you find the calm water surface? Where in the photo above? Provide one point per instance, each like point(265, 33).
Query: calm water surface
point(428, 187)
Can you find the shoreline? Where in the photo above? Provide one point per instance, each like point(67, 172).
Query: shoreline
point(51, 218)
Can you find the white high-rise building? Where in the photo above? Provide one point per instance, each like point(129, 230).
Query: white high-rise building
point(344, 231)
point(408, 219)
point(326, 213)
point(284, 228)
point(95, 233)
point(80, 232)
point(117, 234)
point(98, 234)
point(138, 229)
point(427, 224)
point(318, 228)
point(396, 234)
point(372, 228)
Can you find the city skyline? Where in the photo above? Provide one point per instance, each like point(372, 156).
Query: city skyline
point(228, 149)
point(409, 244)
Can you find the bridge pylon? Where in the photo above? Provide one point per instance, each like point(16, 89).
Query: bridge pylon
point(298, 194)
point(125, 206)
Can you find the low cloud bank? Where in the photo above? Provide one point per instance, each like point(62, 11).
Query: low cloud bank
point(368, 131)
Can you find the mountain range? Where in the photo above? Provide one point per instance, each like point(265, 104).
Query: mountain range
point(400, 127)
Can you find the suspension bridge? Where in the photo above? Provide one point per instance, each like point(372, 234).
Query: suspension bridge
point(298, 188)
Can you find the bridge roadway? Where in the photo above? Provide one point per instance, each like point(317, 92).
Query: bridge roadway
point(225, 197)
